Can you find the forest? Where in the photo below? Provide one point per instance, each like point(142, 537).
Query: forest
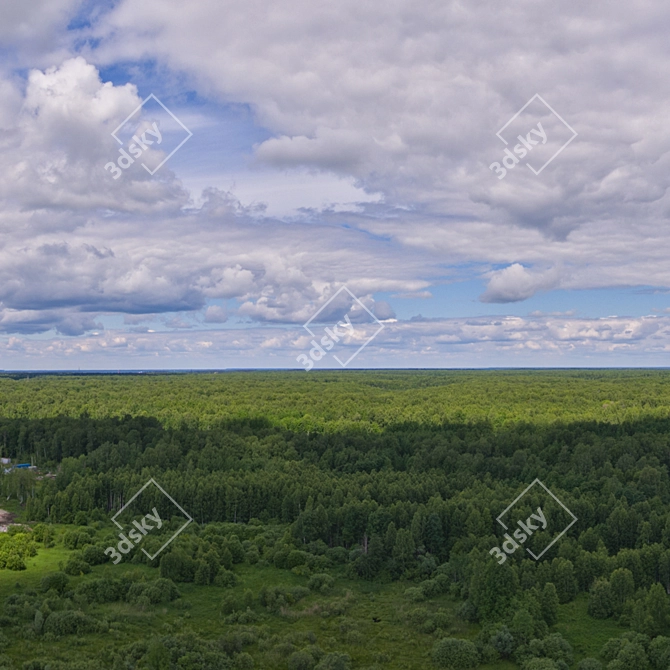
point(336, 520)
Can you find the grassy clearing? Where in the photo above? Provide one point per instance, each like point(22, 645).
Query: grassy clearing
point(374, 627)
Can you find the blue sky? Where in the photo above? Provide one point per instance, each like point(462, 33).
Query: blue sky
point(343, 161)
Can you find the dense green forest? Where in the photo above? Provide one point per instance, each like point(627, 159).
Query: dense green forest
point(341, 520)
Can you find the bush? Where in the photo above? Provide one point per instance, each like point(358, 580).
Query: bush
point(70, 622)
point(301, 660)
point(455, 654)
point(77, 539)
point(252, 556)
point(76, 566)
point(102, 590)
point(234, 546)
point(321, 582)
point(158, 591)
point(94, 554)
point(58, 581)
point(203, 573)
point(43, 533)
point(503, 642)
point(177, 566)
point(430, 588)
point(337, 555)
point(225, 578)
point(601, 600)
point(244, 661)
point(15, 562)
point(296, 558)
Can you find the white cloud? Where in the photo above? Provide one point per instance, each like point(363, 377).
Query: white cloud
point(408, 100)
point(401, 104)
point(516, 283)
point(506, 341)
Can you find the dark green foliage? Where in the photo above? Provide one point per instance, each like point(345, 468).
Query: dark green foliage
point(177, 566)
point(76, 566)
point(320, 582)
point(157, 591)
point(455, 654)
point(70, 622)
point(548, 599)
point(503, 642)
point(590, 664)
point(301, 660)
point(58, 581)
point(390, 475)
point(103, 590)
point(601, 600)
point(94, 554)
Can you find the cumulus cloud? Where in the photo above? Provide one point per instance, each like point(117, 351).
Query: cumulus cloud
point(506, 341)
point(404, 103)
point(515, 283)
point(408, 100)
point(215, 314)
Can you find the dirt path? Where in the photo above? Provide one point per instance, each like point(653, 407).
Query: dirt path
point(6, 518)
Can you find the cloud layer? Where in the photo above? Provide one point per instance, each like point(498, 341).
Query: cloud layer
point(405, 103)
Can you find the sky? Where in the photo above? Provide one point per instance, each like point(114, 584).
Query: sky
point(312, 185)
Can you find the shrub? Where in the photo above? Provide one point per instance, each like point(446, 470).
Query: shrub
point(455, 654)
point(94, 554)
point(244, 661)
point(177, 566)
point(203, 573)
point(76, 566)
point(430, 588)
point(102, 590)
point(296, 558)
point(158, 591)
point(601, 600)
point(337, 554)
point(502, 641)
point(321, 582)
point(15, 562)
point(234, 546)
point(70, 622)
point(225, 578)
point(56, 580)
point(301, 660)
point(76, 539)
